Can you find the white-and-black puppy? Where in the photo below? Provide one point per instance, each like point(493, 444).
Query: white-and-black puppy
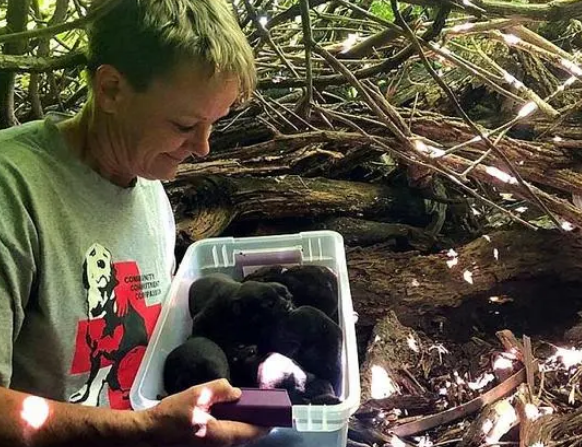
point(313, 340)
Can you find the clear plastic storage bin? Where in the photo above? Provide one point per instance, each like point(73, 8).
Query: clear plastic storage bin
point(313, 425)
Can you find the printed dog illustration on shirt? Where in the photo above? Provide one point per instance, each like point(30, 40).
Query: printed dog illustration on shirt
point(115, 333)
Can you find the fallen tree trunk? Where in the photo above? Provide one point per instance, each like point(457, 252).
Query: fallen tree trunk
point(207, 205)
point(551, 170)
point(381, 281)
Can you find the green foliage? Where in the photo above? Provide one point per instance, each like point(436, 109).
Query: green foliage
point(46, 6)
point(382, 9)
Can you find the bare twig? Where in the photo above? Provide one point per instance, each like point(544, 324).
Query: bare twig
point(102, 9)
point(535, 39)
point(41, 64)
point(464, 115)
point(369, 101)
point(529, 365)
point(475, 71)
point(550, 56)
point(479, 27)
point(265, 34)
point(308, 41)
point(552, 11)
point(443, 170)
point(530, 94)
point(266, 103)
point(447, 416)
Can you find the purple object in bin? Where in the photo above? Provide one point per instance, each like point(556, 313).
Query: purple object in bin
point(263, 407)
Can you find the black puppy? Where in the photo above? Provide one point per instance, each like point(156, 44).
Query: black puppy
point(198, 360)
point(205, 289)
point(244, 362)
point(320, 392)
point(231, 313)
point(313, 340)
point(310, 285)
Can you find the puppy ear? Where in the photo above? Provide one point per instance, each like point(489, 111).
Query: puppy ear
point(85, 278)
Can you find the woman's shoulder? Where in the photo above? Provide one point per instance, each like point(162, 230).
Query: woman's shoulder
point(25, 141)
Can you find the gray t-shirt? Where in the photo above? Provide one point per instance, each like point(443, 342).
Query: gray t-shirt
point(84, 266)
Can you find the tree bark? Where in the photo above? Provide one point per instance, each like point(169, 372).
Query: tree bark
point(205, 206)
point(382, 281)
point(549, 164)
point(59, 15)
point(16, 20)
point(389, 349)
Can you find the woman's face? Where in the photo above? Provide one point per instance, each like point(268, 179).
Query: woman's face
point(150, 133)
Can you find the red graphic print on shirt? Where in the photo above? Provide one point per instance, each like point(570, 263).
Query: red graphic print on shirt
point(111, 342)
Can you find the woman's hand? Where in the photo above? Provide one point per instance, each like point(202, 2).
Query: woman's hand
point(183, 419)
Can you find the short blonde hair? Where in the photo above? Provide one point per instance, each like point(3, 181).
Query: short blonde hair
point(144, 39)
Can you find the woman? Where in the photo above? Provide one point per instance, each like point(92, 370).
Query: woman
point(87, 232)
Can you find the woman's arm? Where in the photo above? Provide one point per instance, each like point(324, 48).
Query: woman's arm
point(179, 420)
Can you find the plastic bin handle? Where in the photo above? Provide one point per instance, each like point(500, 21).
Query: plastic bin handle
point(271, 257)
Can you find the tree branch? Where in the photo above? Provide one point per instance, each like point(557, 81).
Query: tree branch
point(59, 16)
point(553, 11)
point(61, 28)
point(308, 42)
point(16, 20)
point(464, 115)
point(42, 64)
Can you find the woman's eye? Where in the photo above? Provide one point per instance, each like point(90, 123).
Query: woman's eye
point(184, 129)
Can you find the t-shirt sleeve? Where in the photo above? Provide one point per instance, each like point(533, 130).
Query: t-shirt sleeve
point(169, 228)
point(18, 251)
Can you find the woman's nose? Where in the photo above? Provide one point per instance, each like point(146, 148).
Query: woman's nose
point(198, 141)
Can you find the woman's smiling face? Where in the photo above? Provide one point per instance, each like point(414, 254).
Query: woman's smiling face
point(150, 133)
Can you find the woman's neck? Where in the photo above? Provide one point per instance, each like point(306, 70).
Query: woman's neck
point(86, 138)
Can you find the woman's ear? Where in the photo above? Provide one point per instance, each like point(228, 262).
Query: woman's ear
point(110, 89)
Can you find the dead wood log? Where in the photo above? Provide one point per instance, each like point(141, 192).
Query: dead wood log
point(537, 169)
point(381, 281)
point(308, 154)
point(362, 233)
point(555, 429)
point(390, 355)
point(208, 204)
point(331, 152)
point(493, 422)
